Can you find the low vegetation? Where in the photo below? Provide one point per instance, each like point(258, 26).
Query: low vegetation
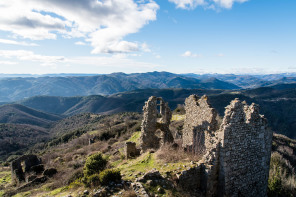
point(83, 165)
point(282, 177)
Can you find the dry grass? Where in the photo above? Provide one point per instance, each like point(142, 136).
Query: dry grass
point(129, 193)
point(279, 169)
point(170, 154)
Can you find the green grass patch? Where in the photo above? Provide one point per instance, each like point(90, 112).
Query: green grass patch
point(141, 164)
point(58, 191)
point(135, 137)
point(177, 117)
point(166, 193)
point(146, 162)
point(75, 184)
point(23, 194)
point(94, 132)
point(116, 163)
point(5, 178)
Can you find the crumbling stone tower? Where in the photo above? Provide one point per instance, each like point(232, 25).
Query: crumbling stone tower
point(236, 157)
point(153, 122)
point(245, 151)
point(199, 125)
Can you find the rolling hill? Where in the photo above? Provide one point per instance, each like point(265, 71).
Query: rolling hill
point(20, 114)
point(277, 103)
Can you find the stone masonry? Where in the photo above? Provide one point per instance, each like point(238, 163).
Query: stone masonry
point(235, 155)
point(154, 121)
point(199, 125)
point(131, 150)
point(245, 151)
point(19, 173)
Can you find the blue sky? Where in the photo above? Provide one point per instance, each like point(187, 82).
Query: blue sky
point(181, 36)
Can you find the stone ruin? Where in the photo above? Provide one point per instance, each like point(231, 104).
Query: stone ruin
point(22, 167)
point(245, 150)
point(155, 125)
point(131, 150)
point(28, 169)
point(200, 124)
point(235, 154)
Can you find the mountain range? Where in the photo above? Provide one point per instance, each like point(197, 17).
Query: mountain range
point(63, 101)
point(277, 104)
point(14, 88)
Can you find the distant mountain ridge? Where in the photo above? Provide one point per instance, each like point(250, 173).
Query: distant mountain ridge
point(12, 89)
point(18, 87)
point(249, 81)
point(277, 103)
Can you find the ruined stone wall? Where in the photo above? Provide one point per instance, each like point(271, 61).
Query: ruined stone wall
point(17, 173)
point(235, 158)
point(152, 123)
point(193, 179)
point(131, 150)
point(245, 151)
point(148, 138)
point(200, 124)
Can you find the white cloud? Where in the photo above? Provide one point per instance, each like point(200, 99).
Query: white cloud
point(24, 55)
point(121, 62)
point(220, 55)
point(103, 23)
point(7, 63)
point(13, 42)
point(145, 48)
point(228, 3)
point(187, 4)
point(213, 4)
point(117, 62)
point(190, 54)
point(80, 43)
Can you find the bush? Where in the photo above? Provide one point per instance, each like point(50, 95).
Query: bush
point(281, 181)
point(77, 175)
point(93, 180)
point(109, 175)
point(94, 164)
point(275, 185)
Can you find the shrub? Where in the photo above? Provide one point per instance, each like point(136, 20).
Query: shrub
point(281, 181)
point(94, 164)
point(93, 180)
point(77, 175)
point(275, 185)
point(109, 175)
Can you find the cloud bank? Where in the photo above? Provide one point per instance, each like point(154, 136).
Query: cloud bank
point(191, 4)
point(103, 23)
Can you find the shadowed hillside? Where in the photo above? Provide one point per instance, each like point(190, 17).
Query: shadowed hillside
point(17, 138)
point(19, 114)
point(277, 103)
